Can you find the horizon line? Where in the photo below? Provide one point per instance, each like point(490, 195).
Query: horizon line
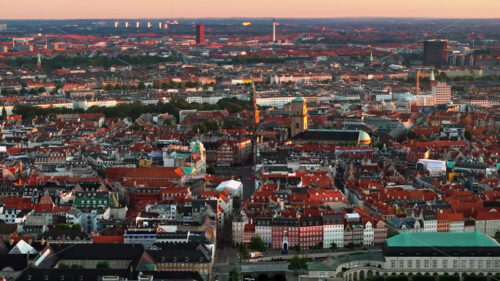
point(266, 17)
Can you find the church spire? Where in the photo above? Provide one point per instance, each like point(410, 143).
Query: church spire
point(39, 61)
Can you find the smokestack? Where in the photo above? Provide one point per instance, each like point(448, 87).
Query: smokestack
point(126, 24)
point(159, 25)
point(116, 24)
point(137, 24)
point(274, 30)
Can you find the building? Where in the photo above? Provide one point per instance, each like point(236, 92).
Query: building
point(436, 52)
point(299, 116)
point(200, 34)
point(442, 93)
point(441, 252)
point(333, 230)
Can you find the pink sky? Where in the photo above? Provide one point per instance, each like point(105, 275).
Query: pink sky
point(67, 9)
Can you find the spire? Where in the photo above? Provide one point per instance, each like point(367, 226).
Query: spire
point(255, 108)
point(39, 61)
point(371, 56)
point(432, 76)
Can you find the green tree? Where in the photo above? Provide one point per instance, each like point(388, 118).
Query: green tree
point(4, 112)
point(333, 246)
point(108, 87)
point(42, 90)
point(467, 135)
point(141, 86)
point(76, 226)
point(234, 275)
point(62, 266)
point(449, 278)
point(350, 246)
point(297, 248)
point(102, 265)
point(63, 226)
point(411, 135)
point(33, 91)
point(297, 263)
point(211, 170)
point(243, 251)
point(136, 127)
point(257, 244)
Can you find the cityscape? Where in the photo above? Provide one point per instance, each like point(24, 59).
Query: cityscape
point(225, 147)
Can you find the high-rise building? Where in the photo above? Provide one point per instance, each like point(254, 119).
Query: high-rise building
point(200, 34)
point(299, 116)
point(442, 93)
point(436, 52)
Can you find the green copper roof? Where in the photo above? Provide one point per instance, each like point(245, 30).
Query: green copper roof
point(451, 164)
point(298, 99)
point(441, 239)
point(187, 170)
point(334, 130)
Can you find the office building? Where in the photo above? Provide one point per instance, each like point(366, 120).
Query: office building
point(200, 34)
point(436, 53)
point(442, 93)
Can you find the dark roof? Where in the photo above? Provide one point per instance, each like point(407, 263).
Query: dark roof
point(98, 251)
point(180, 252)
point(16, 262)
point(328, 135)
point(8, 228)
point(35, 274)
point(64, 234)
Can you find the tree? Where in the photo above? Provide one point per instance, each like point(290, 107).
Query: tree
point(411, 135)
point(297, 263)
point(297, 248)
point(63, 226)
point(108, 87)
point(211, 170)
point(497, 236)
point(102, 265)
point(4, 112)
point(256, 244)
point(243, 251)
point(42, 90)
point(350, 246)
point(141, 86)
point(234, 275)
point(333, 246)
point(76, 226)
point(392, 233)
point(467, 135)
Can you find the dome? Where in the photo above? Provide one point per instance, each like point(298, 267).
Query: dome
point(298, 99)
point(364, 138)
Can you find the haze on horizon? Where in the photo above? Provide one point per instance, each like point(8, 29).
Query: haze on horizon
point(114, 9)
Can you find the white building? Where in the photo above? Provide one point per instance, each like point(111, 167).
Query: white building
point(368, 235)
point(442, 92)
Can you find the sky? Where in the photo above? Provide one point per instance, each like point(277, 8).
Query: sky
point(114, 9)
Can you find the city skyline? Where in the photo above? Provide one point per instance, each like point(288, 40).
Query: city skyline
point(58, 9)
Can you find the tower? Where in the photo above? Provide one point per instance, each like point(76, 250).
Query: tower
point(116, 24)
point(39, 61)
point(299, 116)
point(274, 30)
point(433, 79)
point(126, 24)
point(436, 52)
point(200, 34)
point(160, 25)
point(418, 83)
point(371, 58)
point(137, 24)
point(256, 118)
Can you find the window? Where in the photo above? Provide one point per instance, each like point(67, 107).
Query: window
point(434, 264)
point(410, 263)
point(426, 263)
point(417, 264)
point(445, 264)
point(480, 264)
point(488, 264)
point(463, 264)
point(471, 264)
point(401, 264)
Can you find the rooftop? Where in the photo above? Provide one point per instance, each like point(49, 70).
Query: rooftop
point(441, 239)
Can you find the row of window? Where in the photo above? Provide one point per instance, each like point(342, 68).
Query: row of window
point(464, 264)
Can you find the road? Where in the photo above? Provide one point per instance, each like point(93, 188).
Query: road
point(313, 256)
